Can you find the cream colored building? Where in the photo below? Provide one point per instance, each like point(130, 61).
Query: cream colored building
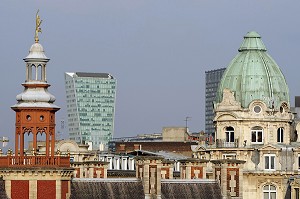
point(253, 122)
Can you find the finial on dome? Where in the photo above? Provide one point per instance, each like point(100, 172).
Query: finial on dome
point(252, 41)
point(38, 29)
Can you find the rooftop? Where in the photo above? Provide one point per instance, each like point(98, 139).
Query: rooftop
point(86, 74)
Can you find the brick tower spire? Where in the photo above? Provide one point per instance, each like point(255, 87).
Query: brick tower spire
point(35, 111)
point(36, 176)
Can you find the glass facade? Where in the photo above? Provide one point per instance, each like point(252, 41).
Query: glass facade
point(212, 80)
point(90, 107)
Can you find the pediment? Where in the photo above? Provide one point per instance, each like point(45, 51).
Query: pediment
point(198, 148)
point(269, 147)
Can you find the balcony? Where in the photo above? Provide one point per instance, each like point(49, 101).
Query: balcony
point(34, 161)
point(221, 143)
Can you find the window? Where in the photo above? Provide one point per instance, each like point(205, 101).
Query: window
point(280, 135)
point(269, 192)
point(270, 162)
point(298, 161)
point(231, 156)
point(257, 135)
point(257, 109)
point(229, 134)
point(297, 192)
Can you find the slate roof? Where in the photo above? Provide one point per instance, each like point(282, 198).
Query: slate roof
point(190, 189)
point(132, 188)
point(107, 188)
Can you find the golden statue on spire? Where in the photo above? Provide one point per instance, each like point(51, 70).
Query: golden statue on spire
point(38, 29)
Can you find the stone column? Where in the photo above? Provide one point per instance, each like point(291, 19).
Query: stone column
point(81, 171)
point(229, 173)
point(91, 171)
point(148, 168)
point(193, 168)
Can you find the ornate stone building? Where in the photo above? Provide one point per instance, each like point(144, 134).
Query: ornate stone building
point(254, 123)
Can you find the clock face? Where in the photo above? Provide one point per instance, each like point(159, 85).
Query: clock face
point(257, 109)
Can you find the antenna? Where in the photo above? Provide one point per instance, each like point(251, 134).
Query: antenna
point(186, 123)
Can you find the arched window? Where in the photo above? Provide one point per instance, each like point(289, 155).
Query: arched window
point(39, 72)
point(269, 192)
point(257, 135)
point(280, 134)
point(229, 134)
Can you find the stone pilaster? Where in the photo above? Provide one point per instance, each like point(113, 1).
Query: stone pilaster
point(91, 169)
point(193, 168)
point(149, 170)
point(58, 188)
point(167, 169)
point(33, 189)
point(229, 173)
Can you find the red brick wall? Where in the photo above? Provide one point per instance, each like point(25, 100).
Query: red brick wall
point(200, 175)
point(236, 178)
point(101, 172)
point(167, 172)
point(78, 173)
point(46, 189)
point(64, 189)
point(20, 189)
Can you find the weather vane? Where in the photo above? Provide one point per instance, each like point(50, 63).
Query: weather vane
point(38, 29)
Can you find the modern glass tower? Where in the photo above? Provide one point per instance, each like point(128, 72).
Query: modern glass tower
point(212, 80)
point(90, 107)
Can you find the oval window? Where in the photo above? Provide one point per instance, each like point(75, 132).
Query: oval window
point(28, 117)
point(42, 118)
point(257, 109)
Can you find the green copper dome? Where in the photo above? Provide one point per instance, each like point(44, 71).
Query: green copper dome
point(254, 75)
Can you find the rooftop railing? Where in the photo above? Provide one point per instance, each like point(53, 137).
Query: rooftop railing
point(34, 161)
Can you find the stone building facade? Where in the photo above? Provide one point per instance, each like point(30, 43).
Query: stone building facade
point(254, 123)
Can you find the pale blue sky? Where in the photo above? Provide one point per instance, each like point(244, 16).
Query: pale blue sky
point(158, 50)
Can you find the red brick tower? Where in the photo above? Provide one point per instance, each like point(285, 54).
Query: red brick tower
point(29, 174)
